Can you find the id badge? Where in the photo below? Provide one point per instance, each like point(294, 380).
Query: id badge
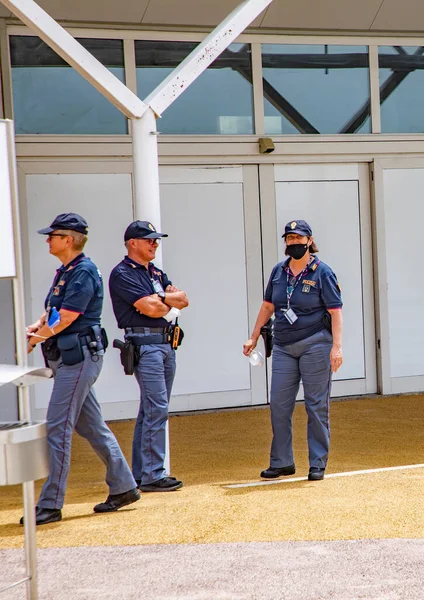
point(290, 315)
point(157, 286)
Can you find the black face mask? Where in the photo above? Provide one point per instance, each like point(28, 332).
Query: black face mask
point(297, 251)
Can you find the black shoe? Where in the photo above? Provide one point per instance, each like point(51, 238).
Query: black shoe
point(273, 472)
point(167, 484)
point(316, 474)
point(45, 515)
point(116, 501)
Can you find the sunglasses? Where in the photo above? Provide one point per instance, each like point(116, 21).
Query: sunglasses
point(57, 235)
point(153, 241)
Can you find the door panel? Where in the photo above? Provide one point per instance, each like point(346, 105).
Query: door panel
point(332, 210)
point(334, 200)
point(204, 211)
point(94, 196)
point(399, 215)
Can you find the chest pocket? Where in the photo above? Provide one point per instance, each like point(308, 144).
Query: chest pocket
point(308, 286)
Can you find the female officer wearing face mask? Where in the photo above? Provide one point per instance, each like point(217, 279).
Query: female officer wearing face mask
point(305, 298)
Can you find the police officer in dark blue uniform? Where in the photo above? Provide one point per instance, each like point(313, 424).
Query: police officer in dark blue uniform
point(304, 295)
point(73, 345)
point(144, 302)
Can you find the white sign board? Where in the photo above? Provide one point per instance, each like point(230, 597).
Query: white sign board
point(7, 247)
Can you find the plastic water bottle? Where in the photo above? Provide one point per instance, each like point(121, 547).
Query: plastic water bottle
point(256, 359)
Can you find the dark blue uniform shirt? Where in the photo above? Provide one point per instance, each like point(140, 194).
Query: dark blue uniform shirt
point(130, 281)
point(317, 290)
point(78, 287)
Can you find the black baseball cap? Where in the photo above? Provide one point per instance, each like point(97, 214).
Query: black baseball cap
point(70, 221)
point(142, 229)
point(300, 227)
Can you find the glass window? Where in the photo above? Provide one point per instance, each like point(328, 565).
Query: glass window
point(50, 97)
point(316, 89)
point(220, 101)
point(401, 88)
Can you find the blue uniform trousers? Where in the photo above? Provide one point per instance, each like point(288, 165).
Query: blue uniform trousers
point(307, 360)
point(155, 374)
point(73, 405)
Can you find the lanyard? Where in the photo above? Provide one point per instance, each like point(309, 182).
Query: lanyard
point(291, 288)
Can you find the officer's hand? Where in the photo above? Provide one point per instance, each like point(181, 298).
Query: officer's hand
point(171, 288)
point(32, 329)
point(336, 358)
point(248, 347)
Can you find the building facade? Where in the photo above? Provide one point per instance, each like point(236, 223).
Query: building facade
point(336, 87)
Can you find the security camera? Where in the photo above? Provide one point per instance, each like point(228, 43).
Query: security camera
point(266, 145)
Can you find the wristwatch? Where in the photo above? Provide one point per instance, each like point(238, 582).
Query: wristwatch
point(162, 296)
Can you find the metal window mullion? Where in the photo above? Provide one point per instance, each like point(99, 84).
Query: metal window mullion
point(130, 70)
point(130, 66)
point(6, 72)
point(258, 90)
point(375, 90)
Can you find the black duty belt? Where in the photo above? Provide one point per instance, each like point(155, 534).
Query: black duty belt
point(147, 330)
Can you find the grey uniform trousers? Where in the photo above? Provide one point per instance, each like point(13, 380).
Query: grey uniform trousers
point(309, 361)
point(73, 405)
point(155, 374)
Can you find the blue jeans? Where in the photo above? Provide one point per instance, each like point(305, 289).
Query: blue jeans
point(155, 374)
point(309, 361)
point(73, 405)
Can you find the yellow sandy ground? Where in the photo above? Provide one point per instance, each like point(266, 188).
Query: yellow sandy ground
point(211, 450)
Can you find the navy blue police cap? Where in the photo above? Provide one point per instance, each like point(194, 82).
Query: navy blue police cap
point(142, 229)
point(300, 227)
point(70, 221)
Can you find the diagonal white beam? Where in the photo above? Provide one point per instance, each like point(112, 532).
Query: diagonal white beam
point(205, 53)
point(77, 56)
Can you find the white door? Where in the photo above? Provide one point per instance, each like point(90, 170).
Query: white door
point(399, 217)
point(213, 252)
point(334, 200)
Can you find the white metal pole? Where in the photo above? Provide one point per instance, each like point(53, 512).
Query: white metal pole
point(22, 360)
point(146, 168)
point(146, 190)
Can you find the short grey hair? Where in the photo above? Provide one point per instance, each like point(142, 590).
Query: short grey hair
point(80, 239)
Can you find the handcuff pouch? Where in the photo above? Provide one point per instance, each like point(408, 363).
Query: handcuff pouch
point(70, 348)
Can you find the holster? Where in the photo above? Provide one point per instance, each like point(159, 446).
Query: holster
point(268, 337)
point(326, 319)
point(130, 355)
point(50, 350)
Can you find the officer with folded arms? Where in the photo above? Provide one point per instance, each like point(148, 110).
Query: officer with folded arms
point(73, 345)
point(145, 304)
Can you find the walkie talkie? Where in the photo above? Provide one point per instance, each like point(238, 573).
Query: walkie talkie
point(176, 332)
